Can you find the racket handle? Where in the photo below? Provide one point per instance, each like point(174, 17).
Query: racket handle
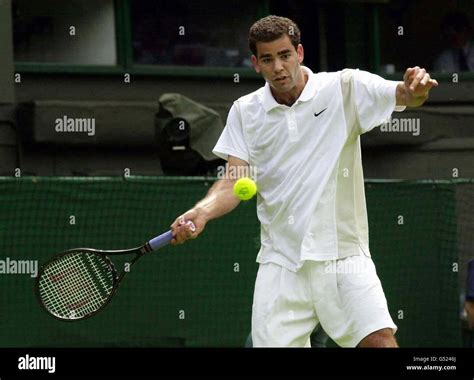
point(161, 241)
point(164, 239)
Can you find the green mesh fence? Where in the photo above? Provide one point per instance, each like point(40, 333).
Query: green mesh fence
point(200, 293)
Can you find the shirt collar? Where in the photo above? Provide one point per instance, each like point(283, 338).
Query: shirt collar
point(308, 92)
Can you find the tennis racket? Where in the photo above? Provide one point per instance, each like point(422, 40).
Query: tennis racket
point(78, 283)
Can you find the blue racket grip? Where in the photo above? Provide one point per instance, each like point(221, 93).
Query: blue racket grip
point(161, 241)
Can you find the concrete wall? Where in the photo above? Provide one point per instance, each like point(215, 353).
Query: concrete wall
point(445, 147)
point(8, 140)
point(445, 143)
point(6, 55)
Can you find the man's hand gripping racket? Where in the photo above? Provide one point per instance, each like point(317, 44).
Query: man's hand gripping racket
point(79, 282)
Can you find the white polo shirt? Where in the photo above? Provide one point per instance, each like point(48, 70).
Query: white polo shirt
point(311, 200)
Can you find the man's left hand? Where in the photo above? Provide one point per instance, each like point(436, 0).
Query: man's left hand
point(416, 86)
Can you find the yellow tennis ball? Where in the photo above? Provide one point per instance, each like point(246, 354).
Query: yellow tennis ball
point(245, 188)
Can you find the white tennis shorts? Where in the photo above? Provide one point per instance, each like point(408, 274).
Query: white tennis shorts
point(344, 296)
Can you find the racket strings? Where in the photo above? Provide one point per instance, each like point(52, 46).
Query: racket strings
point(77, 284)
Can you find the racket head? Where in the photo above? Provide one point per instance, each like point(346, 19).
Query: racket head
point(76, 284)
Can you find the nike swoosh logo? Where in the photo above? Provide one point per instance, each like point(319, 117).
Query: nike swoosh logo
point(320, 112)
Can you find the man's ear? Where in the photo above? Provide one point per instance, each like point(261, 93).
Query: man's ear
point(300, 53)
point(255, 64)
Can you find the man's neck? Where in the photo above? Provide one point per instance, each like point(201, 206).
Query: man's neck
point(290, 97)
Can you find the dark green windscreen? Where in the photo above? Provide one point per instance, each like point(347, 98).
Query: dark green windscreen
point(200, 293)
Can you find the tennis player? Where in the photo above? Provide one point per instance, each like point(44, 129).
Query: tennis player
point(301, 132)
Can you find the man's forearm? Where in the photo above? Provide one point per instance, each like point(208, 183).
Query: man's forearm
point(219, 200)
point(405, 98)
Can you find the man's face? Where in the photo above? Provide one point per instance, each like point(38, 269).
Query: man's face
point(279, 63)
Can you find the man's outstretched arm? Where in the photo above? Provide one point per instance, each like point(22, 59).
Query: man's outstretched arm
point(415, 88)
point(219, 201)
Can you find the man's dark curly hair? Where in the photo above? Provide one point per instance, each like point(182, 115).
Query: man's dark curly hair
point(271, 28)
